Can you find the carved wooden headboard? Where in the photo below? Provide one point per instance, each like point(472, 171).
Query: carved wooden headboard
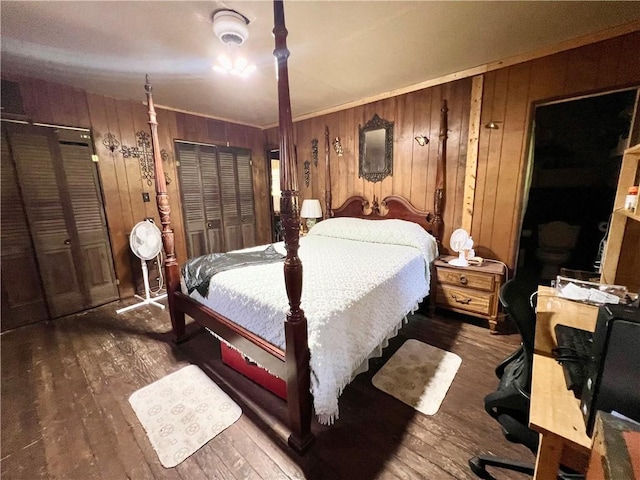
point(390, 207)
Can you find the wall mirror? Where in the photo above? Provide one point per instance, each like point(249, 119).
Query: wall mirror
point(376, 149)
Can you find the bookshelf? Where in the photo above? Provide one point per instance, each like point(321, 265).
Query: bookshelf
point(621, 265)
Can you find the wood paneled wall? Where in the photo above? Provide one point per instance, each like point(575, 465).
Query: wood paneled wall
point(509, 96)
point(121, 179)
point(414, 167)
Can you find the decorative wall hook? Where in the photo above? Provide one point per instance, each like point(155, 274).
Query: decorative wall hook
point(166, 156)
point(111, 142)
point(422, 140)
point(307, 173)
point(337, 146)
point(314, 151)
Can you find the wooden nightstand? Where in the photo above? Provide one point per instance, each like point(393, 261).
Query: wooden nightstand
point(470, 290)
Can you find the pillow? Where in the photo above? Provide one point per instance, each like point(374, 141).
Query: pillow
point(392, 231)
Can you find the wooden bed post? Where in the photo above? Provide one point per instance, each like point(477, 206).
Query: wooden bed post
point(441, 171)
point(439, 196)
point(172, 273)
point(297, 347)
point(328, 210)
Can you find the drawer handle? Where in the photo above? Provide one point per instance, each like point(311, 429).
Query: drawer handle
point(463, 280)
point(464, 301)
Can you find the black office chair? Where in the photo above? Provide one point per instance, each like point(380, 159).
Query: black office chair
point(509, 404)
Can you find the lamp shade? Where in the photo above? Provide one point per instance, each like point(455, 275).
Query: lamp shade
point(311, 209)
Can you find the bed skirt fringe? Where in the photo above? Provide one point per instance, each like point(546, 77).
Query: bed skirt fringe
point(363, 364)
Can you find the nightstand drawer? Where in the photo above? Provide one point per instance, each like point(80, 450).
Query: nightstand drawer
point(467, 279)
point(464, 299)
point(471, 290)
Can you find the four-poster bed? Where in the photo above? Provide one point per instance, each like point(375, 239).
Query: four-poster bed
point(290, 357)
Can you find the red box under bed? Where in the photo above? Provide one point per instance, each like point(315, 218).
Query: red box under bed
point(241, 364)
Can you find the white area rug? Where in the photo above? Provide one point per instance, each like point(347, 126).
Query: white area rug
point(181, 412)
point(419, 375)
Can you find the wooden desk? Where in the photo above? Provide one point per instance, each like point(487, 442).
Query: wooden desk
point(555, 412)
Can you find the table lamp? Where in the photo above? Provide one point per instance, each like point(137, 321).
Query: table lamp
point(311, 210)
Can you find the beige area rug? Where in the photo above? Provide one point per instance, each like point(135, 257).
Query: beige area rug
point(419, 375)
point(181, 412)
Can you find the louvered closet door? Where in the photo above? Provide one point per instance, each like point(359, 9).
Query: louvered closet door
point(245, 194)
point(22, 296)
point(33, 153)
point(200, 191)
point(216, 187)
point(62, 201)
point(230, 207)
point(211, 198)
point(91, 234)
point(236, 183)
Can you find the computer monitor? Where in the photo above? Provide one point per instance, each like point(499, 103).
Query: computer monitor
point(613, 381)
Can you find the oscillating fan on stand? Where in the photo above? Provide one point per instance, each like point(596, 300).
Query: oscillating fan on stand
point(145, 241)
point(460, 242)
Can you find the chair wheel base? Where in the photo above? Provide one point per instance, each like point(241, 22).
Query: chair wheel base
point(477, 466)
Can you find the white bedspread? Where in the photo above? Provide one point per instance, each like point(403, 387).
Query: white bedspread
point(354, 294)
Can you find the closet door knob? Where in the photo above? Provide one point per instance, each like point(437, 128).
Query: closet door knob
point(67, 241)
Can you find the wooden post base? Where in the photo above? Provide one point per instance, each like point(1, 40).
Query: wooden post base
point(300, 446)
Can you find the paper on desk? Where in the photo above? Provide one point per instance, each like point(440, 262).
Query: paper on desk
point(573, 292)
point(599, 296)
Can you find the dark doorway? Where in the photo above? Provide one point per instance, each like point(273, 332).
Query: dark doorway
point(277, 231)
point(577, 152)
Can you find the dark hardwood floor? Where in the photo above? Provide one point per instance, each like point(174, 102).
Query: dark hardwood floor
point(66, 415)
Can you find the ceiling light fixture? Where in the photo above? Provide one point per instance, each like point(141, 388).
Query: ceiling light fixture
point(493, 124)
point(231, 29)
point(239, 67)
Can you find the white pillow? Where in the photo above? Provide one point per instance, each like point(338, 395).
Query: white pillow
point(393, 231)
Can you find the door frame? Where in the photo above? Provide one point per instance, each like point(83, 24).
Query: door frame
point(634, 137)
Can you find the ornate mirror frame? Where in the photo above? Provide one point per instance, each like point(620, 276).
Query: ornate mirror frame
point(376, 149)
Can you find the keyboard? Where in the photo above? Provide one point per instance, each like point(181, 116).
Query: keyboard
point(574, 354)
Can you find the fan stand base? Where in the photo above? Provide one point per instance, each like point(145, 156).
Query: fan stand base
point(457, 262)
point(461, 261)
point(147, 299)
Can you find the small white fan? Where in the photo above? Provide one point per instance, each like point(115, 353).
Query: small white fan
point(460, 242)
point(145, 241)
